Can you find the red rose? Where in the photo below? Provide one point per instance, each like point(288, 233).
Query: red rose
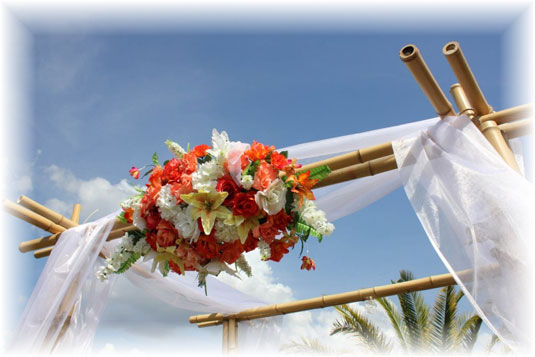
point(152, 219)
point(166, 234)
point(245, 204)
point(200, 150)
point(250, 243)
point(171, 171)
point(227, 184)
point(150, 238)
point(207, 247)
point(281, 220)
point(278, 249)
point(266, 230)
point(230, 252)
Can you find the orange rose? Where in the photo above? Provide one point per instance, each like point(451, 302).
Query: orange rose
point(166, 234)
point(263, 176)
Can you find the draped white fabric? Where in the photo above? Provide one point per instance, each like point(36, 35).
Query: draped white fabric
point(68, 269)
point(478, 214)
point(73, 259)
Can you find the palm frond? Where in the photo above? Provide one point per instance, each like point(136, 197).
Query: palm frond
point(396, 320)
point(468, 333)
point(354, 323)
point(443, 320)
point(407, 302)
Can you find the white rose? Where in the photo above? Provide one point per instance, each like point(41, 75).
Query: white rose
point(273, 198)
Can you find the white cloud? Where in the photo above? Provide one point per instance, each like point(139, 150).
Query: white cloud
point(93, 194)
point(23, 184)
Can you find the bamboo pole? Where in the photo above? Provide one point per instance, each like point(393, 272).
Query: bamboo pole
point(517, 128)
point(369, 168)
point(45, 252)
point(494, 135)
point(355, 157)
point(225, 336)
point(509, 115)
point(385, 149)
point(463, 105)
point(475, 96)
point(419, 69)
point(435, 281)
point(232, 336)
point(466, 78)
point(45, 212)
point(31, 217)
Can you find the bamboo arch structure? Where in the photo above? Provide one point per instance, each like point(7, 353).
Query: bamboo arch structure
point(497, 127)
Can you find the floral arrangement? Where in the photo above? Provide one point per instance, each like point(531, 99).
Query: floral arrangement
point(202, 209)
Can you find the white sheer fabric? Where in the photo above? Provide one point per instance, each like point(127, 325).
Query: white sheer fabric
point(69, 267)
point(478, 214)
point(72, 261)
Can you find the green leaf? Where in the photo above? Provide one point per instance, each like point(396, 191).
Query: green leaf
point(128, 263)
point(121, 217)
point(251, 168)
point(165, 162)
point(318, 173)
point(155, 159)
point(147, 173)
point(284, 153)
point(304, 229)
point(166, 269)
point(205, 158)
point(289, 201)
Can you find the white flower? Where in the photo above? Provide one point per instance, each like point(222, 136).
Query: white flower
point(205, 178)
point(176, 149)
point(315, 217)
point(265, 250)
point(273, 198)
point(167, 204)
point(224, 232)
point(185, 225)
point(121, 254)
point(220, 144)
point(235, 151)
point(247, 181)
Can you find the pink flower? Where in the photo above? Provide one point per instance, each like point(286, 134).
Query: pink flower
point(263, 176)
point(134, 172)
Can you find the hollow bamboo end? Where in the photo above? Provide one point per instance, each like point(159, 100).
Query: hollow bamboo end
point(451, 48)
point(453, 86)
point(409, 53)
point(21, 199)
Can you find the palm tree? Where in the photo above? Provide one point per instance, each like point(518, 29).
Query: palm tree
point(418, 327)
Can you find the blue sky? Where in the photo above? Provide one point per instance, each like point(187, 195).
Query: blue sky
point(102, 102)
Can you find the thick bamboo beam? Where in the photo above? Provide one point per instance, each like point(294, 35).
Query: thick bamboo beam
point(508, 115)
point(517, 128)
point(431, 282)
point(383, 150)
point(51, 240)
point(45, 212)
point(45, 252)
point(369, 168)
point(494, 135)
point(225, 336)
point(232, 336)
point(354, 157)
point(31, 217)
point(419, 69)
point(461, 100)
point(466, 78)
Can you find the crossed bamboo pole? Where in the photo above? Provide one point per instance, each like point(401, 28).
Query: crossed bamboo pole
point(357, 164)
